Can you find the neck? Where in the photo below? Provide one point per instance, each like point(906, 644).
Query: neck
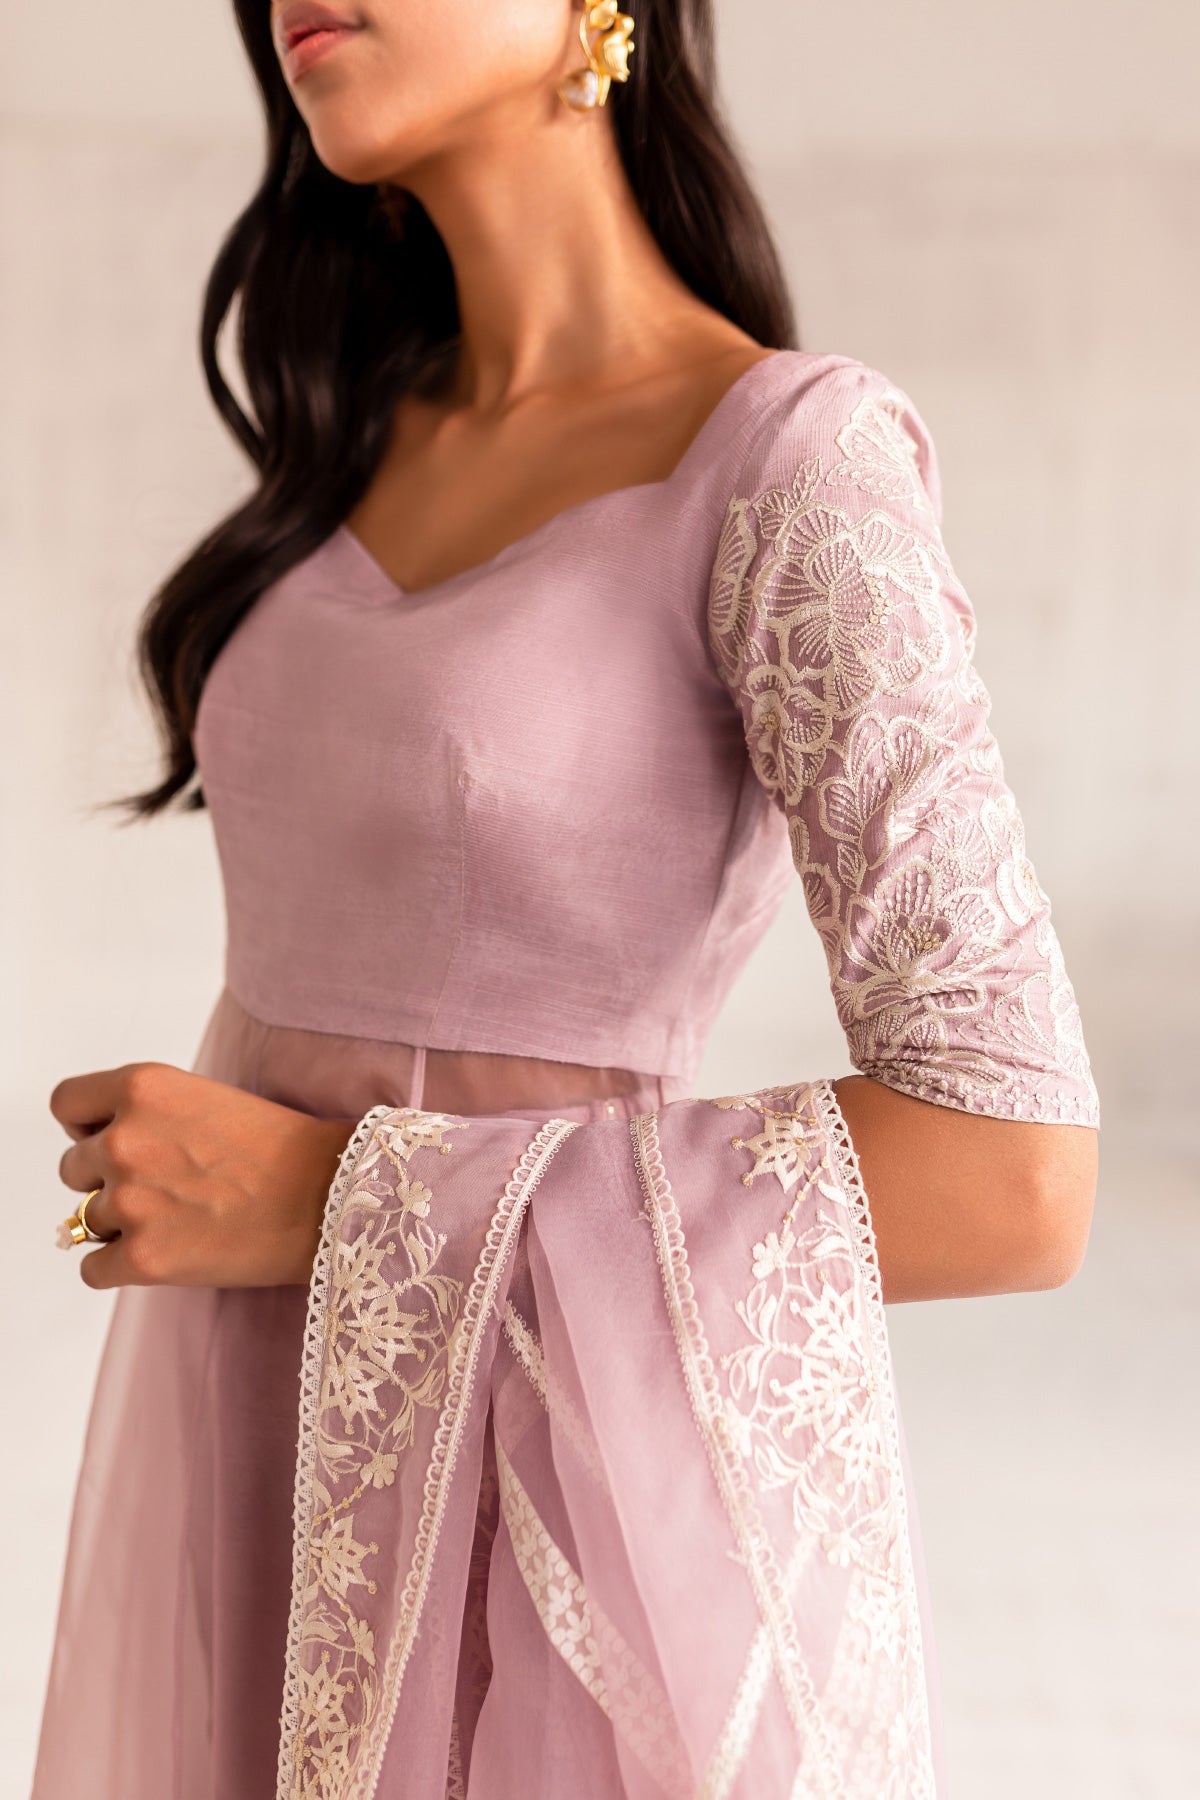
point(560, 282)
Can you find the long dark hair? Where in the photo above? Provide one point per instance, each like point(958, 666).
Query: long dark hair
point(345, 299)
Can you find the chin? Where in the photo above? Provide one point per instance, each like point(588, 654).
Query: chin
point(349, 152)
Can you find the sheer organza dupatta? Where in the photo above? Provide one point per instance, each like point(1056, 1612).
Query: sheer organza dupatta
point(601, 1487)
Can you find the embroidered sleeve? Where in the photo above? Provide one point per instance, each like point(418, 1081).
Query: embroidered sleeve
point(845, 639)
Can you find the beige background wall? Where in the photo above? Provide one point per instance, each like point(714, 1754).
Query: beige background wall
point(998, 205)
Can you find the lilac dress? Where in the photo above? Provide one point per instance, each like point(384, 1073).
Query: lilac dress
point(568, 1510)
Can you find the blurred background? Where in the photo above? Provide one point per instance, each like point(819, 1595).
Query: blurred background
point(997, 204)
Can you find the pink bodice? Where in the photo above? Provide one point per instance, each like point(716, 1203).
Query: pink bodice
point(512, 812)
point(546, 808)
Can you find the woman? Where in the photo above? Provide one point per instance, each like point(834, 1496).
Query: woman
point(574, 611)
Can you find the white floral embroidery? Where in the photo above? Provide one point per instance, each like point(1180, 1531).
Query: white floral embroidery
point(756, 1552)
point(846, 641)
point(806, 1412)
point(391, 1351)
point(802, 1393)
point(388, 1321)
point(812, 1393)
point(881, 453)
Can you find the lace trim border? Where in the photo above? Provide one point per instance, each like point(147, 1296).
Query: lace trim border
point(733, 1482)
point(460, 1380)
point(446, 1439)
point(311, 1359)
point(858, 1207)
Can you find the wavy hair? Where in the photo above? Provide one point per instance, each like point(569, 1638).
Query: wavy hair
point(342, 299)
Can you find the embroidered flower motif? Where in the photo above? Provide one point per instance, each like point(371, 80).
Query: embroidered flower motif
point(770, 1257)
point(847, 643)
point(339, 1557)
point(892, 771)
point(788, 730)
point(324, 1700)
point(880, 454)
point(779, 1149)
point(911, 943)
point(793, 1397)
point(803, 1401)
point(380, 1472)
point(1016, 882)
point(852, 605)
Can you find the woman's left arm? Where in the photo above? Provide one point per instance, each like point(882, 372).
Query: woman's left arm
point(839, 627)
point(207, 1185)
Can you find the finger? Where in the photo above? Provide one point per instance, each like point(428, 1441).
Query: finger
point(110, 1267)
point(84, 1170)
point(106, 1216)
point(84, 1166)
point(81, 1103)
point(82, 1131)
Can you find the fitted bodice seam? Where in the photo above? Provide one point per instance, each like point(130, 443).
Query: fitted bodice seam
point(460, 786)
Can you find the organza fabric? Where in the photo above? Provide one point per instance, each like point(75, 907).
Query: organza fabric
point(616, 1396)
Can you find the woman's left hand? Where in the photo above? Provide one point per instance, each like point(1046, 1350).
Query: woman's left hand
point(207, 1185)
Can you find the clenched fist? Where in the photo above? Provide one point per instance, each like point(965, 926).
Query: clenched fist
point(203, 1185)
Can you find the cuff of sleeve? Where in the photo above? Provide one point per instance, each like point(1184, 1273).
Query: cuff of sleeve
point(1051, 1098)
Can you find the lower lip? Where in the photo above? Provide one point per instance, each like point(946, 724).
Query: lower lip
point(313, 49)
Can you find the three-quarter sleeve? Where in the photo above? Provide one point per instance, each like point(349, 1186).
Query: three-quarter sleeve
point(845, 639)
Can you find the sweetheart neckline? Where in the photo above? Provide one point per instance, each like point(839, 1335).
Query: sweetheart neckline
point(609, 495)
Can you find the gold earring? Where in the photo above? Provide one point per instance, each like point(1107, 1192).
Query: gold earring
point(607, 62)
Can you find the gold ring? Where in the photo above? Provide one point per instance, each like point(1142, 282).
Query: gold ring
point(81, 1214)
point(76, 1229)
